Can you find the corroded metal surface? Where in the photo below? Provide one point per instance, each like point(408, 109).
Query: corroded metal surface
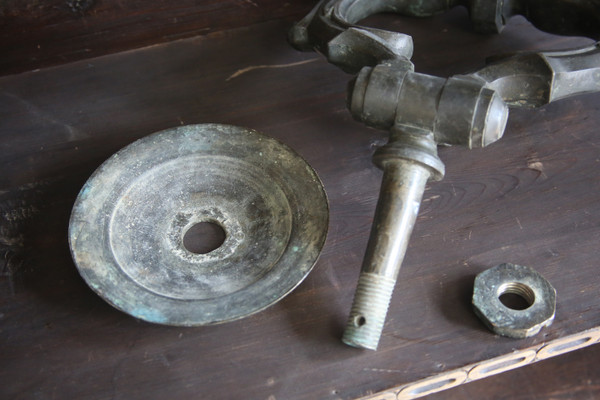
point(128, 223)
point(422, 111)
point(333, 28)
point(519, 280)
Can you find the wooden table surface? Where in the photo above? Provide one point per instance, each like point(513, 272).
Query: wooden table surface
point(532, 198)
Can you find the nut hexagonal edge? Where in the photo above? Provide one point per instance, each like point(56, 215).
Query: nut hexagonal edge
point(520, 280)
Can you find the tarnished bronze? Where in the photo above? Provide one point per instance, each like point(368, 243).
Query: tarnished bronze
point(128, 225)
point(519, 320)
point(422, 111)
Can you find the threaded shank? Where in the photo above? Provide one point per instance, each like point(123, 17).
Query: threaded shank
point(367, 316)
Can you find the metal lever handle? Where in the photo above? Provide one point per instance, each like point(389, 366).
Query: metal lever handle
point(535, 79)
point(574, 71)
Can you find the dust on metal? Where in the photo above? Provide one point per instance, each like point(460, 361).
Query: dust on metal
point(128, 224)
point(538, 294)
point(422, 111)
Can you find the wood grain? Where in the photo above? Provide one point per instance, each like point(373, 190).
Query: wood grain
point(532, 198)
point(36, 34)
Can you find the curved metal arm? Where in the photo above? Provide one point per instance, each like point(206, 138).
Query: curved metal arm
point(535, 79)
point(331, 29)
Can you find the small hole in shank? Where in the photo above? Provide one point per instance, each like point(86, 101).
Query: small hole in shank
point(204, 237)
point(359, 320)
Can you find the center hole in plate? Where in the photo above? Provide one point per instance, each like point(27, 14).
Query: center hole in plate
point(516, 295)
point(204, 237)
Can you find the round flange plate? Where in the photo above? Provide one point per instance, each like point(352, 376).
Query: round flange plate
point(129, 220)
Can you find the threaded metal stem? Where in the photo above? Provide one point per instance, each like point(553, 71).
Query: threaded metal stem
point(367, 316)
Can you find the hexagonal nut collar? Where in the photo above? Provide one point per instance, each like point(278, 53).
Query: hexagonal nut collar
point(525, 282)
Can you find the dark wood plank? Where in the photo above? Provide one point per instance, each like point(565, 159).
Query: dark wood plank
point(531, 198)
point(36, 34)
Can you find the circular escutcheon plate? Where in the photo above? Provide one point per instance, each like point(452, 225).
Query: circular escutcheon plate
point(128, 224)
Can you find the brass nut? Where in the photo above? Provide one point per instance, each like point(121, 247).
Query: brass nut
point(516, 280)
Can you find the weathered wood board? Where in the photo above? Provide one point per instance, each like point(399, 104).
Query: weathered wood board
point(532, 198)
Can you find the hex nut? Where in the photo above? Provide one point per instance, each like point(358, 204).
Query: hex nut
point(518, 280)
